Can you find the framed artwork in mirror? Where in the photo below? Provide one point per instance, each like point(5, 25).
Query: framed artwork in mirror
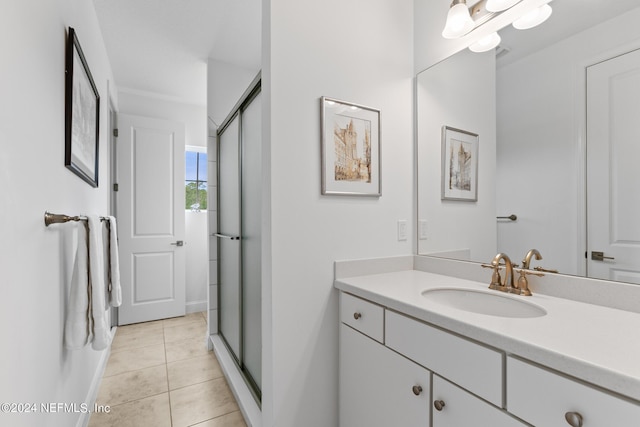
point(82, 113)
point(459, 165)
point(350, 149)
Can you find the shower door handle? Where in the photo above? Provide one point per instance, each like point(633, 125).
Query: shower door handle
point(224, 236)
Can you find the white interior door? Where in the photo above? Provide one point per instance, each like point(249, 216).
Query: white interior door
point(613, 173)
point(151, 220)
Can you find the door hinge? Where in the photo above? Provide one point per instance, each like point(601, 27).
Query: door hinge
point(115, 187)
point(115, 133)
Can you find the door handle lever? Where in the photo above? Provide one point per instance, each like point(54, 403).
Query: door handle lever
point(179, 243)
point(599, 256)
point(224, 236)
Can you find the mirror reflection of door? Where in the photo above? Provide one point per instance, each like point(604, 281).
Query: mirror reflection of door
point(613, 168)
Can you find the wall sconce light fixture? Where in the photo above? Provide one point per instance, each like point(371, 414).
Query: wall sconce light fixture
point(499, 5)
point(486, 43)
point(459, 20)
point(534, 18)
point(462, 20)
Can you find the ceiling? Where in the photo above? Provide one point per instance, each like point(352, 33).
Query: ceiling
point(569, 17)
point(161, 47)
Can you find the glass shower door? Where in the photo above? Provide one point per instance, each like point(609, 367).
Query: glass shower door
point(251, 239)
point(228, 234)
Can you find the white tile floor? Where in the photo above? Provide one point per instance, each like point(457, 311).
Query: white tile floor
point(161, 374)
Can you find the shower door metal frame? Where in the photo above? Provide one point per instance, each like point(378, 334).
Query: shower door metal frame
point(246, 99)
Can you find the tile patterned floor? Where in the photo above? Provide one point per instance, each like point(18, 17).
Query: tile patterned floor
point(160, 374)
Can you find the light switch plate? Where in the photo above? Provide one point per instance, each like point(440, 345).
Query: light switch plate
point(423, 229)
point(402, 229)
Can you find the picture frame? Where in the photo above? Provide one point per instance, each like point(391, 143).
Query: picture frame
point(351, 149)
point(459, 165)
point(82, 114)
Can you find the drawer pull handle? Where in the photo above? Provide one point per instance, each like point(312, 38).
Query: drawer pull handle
point(417, 390)
point(574, 419)
point(439, 405)
point(357, 315)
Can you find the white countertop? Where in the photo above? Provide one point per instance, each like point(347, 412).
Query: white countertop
point(596, 344)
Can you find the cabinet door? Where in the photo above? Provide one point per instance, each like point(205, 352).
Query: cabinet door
point(544, 398)
point(377, 385)
point(463, 409)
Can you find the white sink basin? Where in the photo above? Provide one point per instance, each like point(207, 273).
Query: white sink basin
point(492, 303)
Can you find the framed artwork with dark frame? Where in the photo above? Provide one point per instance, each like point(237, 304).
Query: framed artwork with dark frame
point(351, 163)
point(82, 114)
point(459, 165)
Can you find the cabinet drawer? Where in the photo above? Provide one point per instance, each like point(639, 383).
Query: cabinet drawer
point(543, 398)
point(461, 408)
point(470, 365)
point(362, 315)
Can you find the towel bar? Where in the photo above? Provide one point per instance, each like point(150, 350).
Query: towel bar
point(51, 218)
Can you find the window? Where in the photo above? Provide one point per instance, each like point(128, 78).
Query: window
point(195, 178)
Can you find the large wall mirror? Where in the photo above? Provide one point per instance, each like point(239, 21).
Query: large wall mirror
point(557, 114)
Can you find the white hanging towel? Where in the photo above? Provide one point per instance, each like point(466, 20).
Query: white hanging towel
point(77, 322)
point(115, 291)
point(101, 336)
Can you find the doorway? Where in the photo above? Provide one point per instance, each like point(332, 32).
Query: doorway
point(613, 204)
point(151, 221)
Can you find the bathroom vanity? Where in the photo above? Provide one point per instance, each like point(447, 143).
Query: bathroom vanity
point(425, 349)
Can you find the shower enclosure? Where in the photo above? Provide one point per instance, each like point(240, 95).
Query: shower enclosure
point(239, 174)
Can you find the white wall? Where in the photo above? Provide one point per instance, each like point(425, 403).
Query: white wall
point(35, 261)
point(225, 85)
point(194, 118)
point(541, 105)
point(358, 52)
point(447, 96)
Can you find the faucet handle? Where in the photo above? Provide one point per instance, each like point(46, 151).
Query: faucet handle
point(545, 270)
point(496, 280)
point(523, 282)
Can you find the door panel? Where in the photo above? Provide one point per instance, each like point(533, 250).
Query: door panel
point(153, 196)
point(156, 268)
point(229, 226)
point(613, 150)
point(251, 238)
point(151, 218)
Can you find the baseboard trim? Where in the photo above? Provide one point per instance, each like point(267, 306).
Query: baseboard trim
point(92, 394)
point(248, 406)
point(195, 306)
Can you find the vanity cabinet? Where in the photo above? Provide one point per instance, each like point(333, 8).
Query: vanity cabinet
point(455, 407)
point(378, 387)
point(545, 398)
point(385, 379)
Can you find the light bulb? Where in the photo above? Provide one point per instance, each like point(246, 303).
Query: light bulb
point(499, 5)
point(486, 43)
point(459, 22)
point(533, 18)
